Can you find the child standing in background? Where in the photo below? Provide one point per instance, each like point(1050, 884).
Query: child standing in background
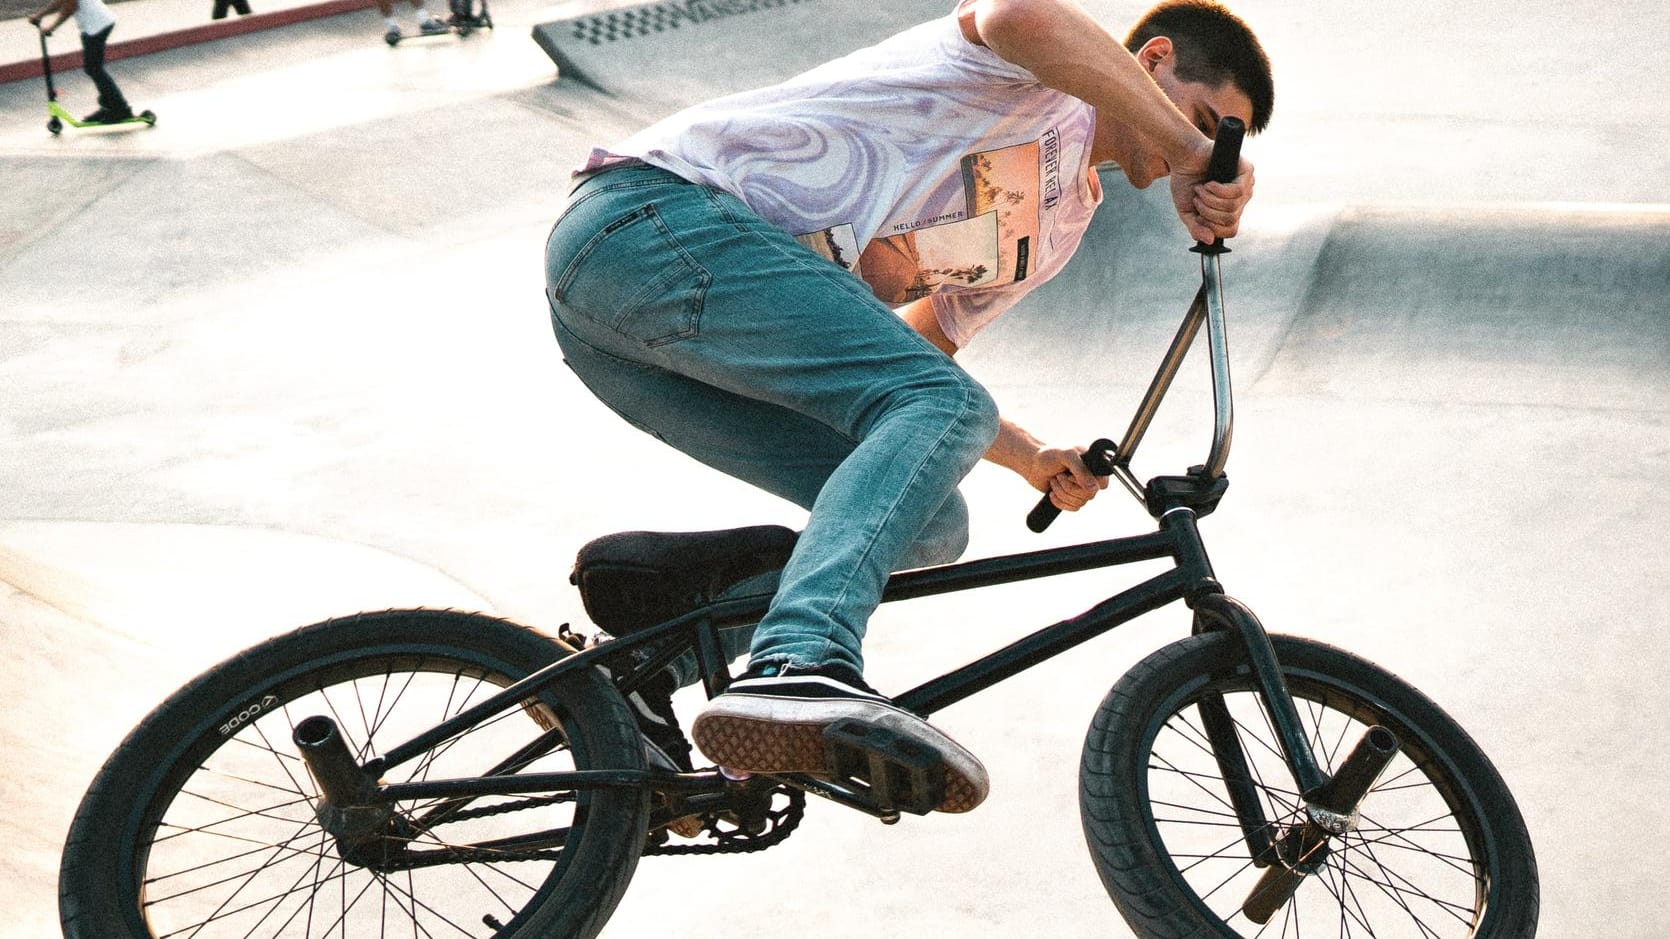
point(96, 22)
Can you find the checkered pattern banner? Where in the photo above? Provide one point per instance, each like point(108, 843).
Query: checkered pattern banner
point(660, 17)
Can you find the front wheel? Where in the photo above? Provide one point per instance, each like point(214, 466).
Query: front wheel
point(202, 823)
point(1437, 850)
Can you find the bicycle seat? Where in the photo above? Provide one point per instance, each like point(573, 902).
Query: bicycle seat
point(636, 579)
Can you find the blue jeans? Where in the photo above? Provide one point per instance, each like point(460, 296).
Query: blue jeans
point(719, 334)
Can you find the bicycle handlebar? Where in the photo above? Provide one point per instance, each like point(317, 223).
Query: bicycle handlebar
point(1109, 457)
point(1226, 150)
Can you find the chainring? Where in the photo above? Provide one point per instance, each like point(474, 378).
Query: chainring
point(732, 832)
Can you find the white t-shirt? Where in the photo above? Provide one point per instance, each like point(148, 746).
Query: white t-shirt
point(926, 165)
point(92, 17)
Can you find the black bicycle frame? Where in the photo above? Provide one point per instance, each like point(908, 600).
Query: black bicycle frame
point(1191, 580)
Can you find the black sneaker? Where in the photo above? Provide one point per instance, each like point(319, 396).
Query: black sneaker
point(652, 705)
point(773, 720)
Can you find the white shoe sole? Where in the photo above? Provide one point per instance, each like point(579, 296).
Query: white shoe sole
point(775, 734)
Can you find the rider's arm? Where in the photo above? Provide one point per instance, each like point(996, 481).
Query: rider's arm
point(1066, 49)
point(1059, 472)
point(64, 8)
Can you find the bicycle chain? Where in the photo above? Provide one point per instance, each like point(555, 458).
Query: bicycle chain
point(456, 855)
point(506, 808)
point(781, 823)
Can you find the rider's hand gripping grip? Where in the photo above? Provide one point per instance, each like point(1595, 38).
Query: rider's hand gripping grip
point(1225, 161)
point(1099, 458)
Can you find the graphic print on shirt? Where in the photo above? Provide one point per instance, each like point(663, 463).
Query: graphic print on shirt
point(988, 242)
point(838, 243)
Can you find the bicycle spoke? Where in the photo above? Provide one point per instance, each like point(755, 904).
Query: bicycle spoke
point(283, 847)
point(266, 813)
point(1410, 890)
point(221, 911)
point(283, 758)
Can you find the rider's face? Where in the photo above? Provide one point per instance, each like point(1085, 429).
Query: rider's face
point(1204, 105)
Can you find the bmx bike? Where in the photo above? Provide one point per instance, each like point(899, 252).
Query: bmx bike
point(431, 772)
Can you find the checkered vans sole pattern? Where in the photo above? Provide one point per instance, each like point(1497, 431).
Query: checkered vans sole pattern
point(776, 725)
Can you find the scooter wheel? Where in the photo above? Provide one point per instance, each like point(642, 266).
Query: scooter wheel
point(55, 125)
point(149, 117)
point(392, 39)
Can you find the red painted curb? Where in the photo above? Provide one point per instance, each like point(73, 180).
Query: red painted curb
point(220, 29)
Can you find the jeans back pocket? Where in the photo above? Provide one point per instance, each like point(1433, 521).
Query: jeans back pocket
point(630, 275)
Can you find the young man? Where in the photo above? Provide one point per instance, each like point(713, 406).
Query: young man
point(96, 22)
point(727, 280)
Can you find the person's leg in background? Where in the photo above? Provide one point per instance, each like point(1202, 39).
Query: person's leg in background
point(112, 105)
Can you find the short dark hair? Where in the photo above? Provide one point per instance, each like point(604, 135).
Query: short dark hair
point(1213, 45)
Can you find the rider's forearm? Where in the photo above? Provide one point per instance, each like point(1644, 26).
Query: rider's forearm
point(1069, 51)
point(64, 8)
point(1014, 448)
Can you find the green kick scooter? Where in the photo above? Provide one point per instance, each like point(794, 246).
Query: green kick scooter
point(60, 117)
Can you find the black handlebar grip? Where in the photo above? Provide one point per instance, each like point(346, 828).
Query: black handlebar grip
point(1226, 151)
point(1098, 458)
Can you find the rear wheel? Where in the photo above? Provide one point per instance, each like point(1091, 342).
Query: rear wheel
point(202, 822)
point(1438, 849)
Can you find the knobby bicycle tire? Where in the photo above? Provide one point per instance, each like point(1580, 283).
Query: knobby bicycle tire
point(1439, 849)
point(202, 823)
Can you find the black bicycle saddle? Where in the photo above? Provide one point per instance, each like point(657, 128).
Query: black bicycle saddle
point(636, 579)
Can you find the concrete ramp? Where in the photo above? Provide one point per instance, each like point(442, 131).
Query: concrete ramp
point(1105, 321)
point(676, 53)
point(1525, 306)
point(1529, 305)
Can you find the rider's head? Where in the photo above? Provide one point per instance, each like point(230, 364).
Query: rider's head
point(1210, 46)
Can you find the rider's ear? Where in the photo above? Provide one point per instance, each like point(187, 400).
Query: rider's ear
point(1153, 52)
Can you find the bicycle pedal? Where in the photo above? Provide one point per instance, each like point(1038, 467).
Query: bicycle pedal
point(894, 771)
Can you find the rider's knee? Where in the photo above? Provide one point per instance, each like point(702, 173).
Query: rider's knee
point(983, 416)
point(945, 537)
point(974, 412)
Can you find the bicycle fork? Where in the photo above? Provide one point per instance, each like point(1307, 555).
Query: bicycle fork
point(1331, 802)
